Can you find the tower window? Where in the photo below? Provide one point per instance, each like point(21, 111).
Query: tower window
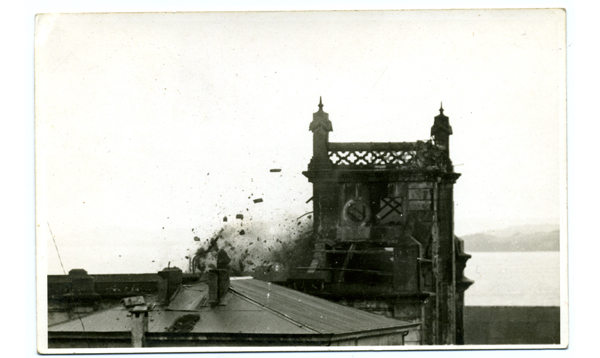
point(390, 211)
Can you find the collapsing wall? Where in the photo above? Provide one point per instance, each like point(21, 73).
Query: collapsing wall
point(383, 226)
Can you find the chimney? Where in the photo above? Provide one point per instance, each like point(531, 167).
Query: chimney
point(218, 285)
point(139, 326)
point(218, 280)
point(170, 280)
point(82, 286)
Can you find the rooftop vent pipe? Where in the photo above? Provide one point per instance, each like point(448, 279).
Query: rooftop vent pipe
point(139, 326)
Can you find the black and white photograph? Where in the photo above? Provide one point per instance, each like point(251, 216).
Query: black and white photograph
point(301, 180)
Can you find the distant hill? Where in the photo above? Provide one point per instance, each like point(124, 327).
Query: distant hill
point(518, 238)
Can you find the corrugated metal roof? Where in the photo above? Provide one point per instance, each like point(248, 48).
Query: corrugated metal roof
point(252, 306)
point(238, 315)
point(316, 313)
point(228, 321)
point(110, 320)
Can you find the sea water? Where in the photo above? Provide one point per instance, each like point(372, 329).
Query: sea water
point(513, 279)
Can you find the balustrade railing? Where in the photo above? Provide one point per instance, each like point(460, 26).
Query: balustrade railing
point(400, 155)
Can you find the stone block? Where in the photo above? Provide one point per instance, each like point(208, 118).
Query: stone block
point(420, 185)
point(419, 194)
point(420, 205)
point(407, 312)
point(424, 216)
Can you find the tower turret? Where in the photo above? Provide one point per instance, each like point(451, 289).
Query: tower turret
point(441, 130)
point(320, 126)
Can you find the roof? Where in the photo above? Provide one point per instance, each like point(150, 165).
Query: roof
point(316, 313)
point(250, 307)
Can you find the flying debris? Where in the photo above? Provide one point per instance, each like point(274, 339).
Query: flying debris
point(310, 212)
point(222, 259)
point(259, 200)
point(239, 216)
point(275, 170)
point(225, 219)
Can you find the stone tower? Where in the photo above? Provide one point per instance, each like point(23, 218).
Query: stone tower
point(384, 229)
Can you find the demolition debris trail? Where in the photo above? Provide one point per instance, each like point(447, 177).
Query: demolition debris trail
point(277, 239)
point(258, 246)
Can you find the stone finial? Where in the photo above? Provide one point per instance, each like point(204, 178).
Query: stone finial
point(441, 125)
point(320, 120)
point(320, 126)
point(440, 133)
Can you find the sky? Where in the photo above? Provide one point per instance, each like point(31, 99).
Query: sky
point(150, 128)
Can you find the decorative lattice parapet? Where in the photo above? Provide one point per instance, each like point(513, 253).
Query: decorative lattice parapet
point(418, 155)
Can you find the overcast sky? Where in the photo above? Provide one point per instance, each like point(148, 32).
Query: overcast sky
point(151, 125)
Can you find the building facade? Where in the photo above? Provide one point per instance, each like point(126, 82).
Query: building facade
point(384, 229)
